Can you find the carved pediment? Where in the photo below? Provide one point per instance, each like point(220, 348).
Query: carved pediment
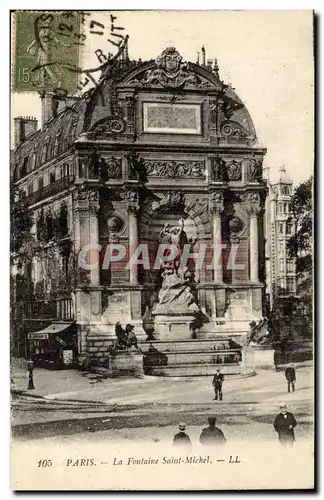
point(171, 72)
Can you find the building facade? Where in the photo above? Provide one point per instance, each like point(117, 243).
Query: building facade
point(154, 143)
point(280, 226)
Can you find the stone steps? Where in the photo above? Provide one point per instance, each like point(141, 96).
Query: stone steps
point(188, 345)
point(196, 357)
point(193, 357)
point(182, 357)
point(198, 370)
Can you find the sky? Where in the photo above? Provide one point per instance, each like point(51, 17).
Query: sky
point(267, 56)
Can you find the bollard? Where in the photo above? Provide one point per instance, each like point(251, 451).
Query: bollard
point(30, 367)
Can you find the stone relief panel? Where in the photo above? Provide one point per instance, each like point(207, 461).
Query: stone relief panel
point(225, 169)
point(171, 168)
point(103, 168)
point(233, 169)
point(112, 168)
point(255, 169)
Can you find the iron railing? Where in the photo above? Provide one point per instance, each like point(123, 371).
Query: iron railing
point(50, 190)
point(57, 309)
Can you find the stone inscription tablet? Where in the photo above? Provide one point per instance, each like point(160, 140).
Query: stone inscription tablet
point(172, 119)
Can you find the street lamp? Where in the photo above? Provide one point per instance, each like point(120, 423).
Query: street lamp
point(30, 367)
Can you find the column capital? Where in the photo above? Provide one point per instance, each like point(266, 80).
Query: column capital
point(252, 201)
point(86, 194)
point(86, 200)
point(132, 200)
point(216, 202)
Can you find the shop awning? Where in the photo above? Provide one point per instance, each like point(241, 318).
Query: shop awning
point(52, 329)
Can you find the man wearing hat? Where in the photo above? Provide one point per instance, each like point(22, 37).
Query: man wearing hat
point(218, 380)
point(290, 375)
point(181, 438)
point(212, 435)
point(284, 424)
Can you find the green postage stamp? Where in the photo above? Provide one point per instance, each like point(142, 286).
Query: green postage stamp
point(46, 50)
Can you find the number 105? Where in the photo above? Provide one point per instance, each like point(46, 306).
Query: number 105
point(45, 463)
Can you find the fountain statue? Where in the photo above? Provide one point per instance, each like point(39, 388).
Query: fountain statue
point(177, 304)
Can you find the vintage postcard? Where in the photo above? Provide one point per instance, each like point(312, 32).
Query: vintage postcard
point(161, 259)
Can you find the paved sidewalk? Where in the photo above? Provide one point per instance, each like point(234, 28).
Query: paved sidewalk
point(73, 385)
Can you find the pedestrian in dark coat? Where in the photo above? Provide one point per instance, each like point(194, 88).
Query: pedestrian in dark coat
point(212, 435)
point(290, 375)
point(218, 380)
point(182, 439)
point(284, 424)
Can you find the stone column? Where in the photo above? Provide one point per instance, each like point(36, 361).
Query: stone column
point(253, 208)
point(93, 196)
point(86, 231)
point(216, 208)
point(81, 238)
point(254, 248)
point(132, 201)
point(80, 214)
